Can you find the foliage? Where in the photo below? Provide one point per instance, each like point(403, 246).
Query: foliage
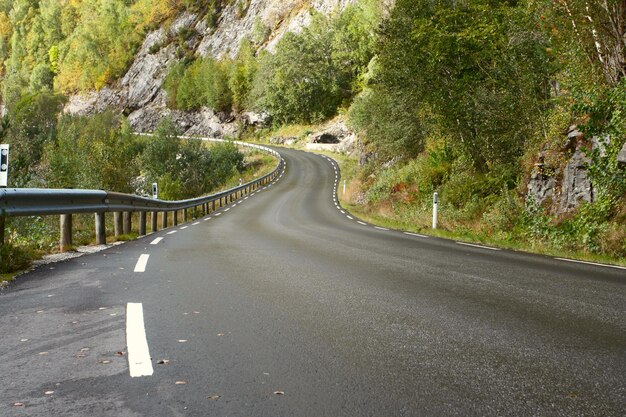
point(73, 45)
point(13, 258)
point(475, 70)
point(187, 168)
point(312, 73)
point(95, 152)
point(32, 123)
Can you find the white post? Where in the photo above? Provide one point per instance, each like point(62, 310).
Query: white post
point(435, 204)
point(4, 165)
point(344, 187)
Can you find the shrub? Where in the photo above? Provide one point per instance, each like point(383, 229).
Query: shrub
point(14, 258)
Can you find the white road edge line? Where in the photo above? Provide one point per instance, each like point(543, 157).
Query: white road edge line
point(381, 228)
point(184, 227)
point(172, 232)
point(218, 214)
point(476, 246)
point(351, 218)
point(590, 263)
point(139, 363)
point(142, 262)
point(416, 234)
point(156, 241)
point(196, 223)
point(360, 222)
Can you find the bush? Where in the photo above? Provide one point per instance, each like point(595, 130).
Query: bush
point(13, 258)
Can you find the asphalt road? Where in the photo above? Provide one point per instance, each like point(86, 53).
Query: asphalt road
point(285, 306)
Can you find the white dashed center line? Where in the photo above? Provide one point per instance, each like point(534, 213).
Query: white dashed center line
point(172, 232)
point(184, 227)
point(196, 223)
point(139, 362)
point(218, 214)
point(142, 262)
point(156, 241)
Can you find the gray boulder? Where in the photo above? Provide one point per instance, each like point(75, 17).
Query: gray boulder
point(576, 186)
point(621, 157)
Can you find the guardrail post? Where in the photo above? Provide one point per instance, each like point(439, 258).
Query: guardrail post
point(117, 223)
point(213, 205)
point(175, 216)
point(101, 236)
point(184, 215)
point(153, 221)
point(142, 223)
point(66, 232)
point(128, 222)
point(164, 220)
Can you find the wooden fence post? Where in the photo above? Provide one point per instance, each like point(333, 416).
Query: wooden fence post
point(66, 232)
point(117, 223)
point(142, 223)
point(101, 236)
point(153, 220)
point(128, 222)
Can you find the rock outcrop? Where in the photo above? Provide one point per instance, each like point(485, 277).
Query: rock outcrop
point(621, 157)
point(336, 137)
point(576, 186)
point(564, 189)
point(139, 93)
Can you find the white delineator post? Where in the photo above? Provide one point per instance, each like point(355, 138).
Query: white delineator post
point(344, 187)
point(4, 165)
point(435, 204)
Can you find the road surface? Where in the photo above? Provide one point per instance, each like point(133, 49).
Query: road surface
point(285, 305)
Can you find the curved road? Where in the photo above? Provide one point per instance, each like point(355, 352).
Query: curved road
point(284, 306)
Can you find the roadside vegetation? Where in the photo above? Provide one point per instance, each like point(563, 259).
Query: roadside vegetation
point(101, 152)
point(466, 99)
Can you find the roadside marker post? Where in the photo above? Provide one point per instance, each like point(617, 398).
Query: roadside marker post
point(4, 181)
point(435, 204)
point(4, 165)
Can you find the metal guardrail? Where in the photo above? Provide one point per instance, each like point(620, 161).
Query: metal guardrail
point(65, 202)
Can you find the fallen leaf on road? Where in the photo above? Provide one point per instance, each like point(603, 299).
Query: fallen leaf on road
point(182, 341)
point(84, 349)
point(213, 397)
point(163, 362)
point(180, 383)
point(43, 353)
point(23, 340)
point(49, 392)
point(105, 362)
point(18, 404)
point(220, 334)
point(279, 392)
point(120, 353)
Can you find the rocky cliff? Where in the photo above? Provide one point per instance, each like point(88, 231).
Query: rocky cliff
point(139, 94)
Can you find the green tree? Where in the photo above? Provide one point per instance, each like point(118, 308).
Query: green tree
point(479, 70)
point(33, 123)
